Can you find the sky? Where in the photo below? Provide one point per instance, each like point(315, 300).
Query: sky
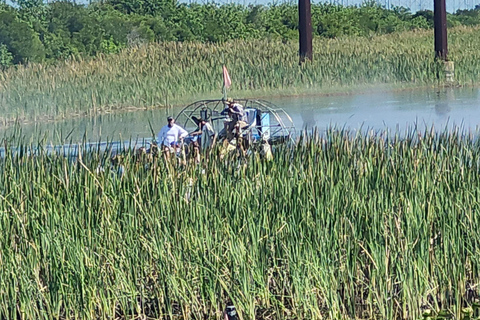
point(414, 5)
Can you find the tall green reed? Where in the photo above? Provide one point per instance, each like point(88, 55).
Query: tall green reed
point(343, 225)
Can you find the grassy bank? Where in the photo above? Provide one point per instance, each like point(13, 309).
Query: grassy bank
point(347, 227)
point(178, 73)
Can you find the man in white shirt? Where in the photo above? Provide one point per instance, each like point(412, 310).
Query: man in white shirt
point(170, 136)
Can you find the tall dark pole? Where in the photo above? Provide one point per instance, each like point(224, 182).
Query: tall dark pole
point(305, 29)
point(440, 20)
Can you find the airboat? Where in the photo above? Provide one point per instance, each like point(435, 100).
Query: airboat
point(265, 121)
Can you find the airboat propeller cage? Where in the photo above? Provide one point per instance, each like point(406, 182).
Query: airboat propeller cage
point(265, 120)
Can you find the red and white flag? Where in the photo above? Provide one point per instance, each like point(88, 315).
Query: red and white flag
point(226, 78)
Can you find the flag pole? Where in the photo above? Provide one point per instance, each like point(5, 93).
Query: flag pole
point(227, 82)
point(224, 92)
point(223, 77)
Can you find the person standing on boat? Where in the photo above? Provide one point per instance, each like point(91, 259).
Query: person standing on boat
point(170, 136)
point(236, 114)
point(207, 137)
point(206, 133)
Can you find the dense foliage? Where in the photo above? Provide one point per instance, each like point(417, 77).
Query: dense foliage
point(348, 227)
point(34, 31)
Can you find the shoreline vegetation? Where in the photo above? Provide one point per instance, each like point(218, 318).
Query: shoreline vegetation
point(173, 73)
point(340, 226)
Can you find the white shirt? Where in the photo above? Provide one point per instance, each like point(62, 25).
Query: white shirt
point(168, 135)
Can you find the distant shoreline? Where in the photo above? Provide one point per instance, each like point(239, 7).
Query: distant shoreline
point(174, 74)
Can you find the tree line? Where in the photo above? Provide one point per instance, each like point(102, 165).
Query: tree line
point(37, 31)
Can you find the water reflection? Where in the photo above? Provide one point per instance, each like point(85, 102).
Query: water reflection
point(308, 119)
point(443, 99)
point(378, 111)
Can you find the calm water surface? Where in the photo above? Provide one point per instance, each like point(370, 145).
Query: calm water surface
point(378, 111)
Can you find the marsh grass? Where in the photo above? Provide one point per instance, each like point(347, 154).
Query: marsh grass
point(164, 74)
point(343, 225)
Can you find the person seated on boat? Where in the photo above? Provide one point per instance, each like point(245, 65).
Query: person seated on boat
point(170, 136)
point(237, 134)
point(266, 150)
point(237, 143)
point(236, 114)
point(153, 150)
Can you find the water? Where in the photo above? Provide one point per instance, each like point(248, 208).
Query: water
point(376, 111)
point(443, 108)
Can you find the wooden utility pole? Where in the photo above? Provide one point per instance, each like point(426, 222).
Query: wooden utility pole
point(440, 20)
point(305, 29)
point(441, 48)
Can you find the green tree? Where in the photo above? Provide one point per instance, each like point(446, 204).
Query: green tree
point(468, 17)
point(75, 28)
point(6, 57)
point(32, 30)
point(20, 39)
point(144, 7)
point(32, 11)
point(427, 15)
